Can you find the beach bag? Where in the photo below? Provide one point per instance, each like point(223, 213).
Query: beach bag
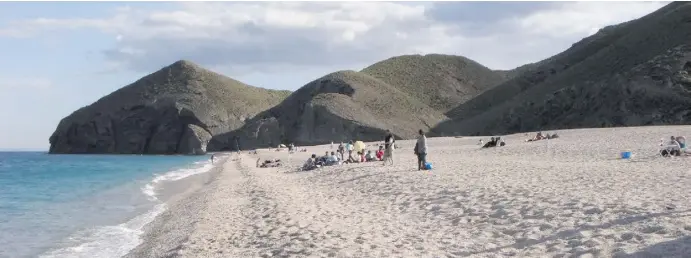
point(428, 166)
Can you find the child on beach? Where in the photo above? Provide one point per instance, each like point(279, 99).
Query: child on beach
point(380, 153)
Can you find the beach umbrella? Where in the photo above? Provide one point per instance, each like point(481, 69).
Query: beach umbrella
point(359, 146)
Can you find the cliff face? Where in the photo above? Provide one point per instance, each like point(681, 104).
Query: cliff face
point(175, 110)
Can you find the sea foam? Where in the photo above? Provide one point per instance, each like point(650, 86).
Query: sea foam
point(118, 240)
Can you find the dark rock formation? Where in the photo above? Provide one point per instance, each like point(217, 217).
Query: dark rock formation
point(175, 110)
point(625, 75)
point(341, 106)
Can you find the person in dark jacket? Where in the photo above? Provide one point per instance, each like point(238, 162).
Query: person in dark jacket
point(421, 150)
point(389, 141)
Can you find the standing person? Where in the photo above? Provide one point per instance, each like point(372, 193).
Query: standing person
point(421, 150)
point(212, 158)
point(389, 141)
point(341, 150)
point(237, 144)
point(349, 148)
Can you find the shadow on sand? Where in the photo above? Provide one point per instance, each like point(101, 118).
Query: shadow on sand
point(680, 247)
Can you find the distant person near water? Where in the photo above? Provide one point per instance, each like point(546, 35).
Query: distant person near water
point(212, 158)
point(421, 150)
point(389, 142)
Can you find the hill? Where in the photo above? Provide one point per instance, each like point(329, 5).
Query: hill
point(439, 81)
point(634, 73)
point(340, 106)
point(174, 110)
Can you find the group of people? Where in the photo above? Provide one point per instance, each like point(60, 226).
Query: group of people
point(675, 146)
point(384, 153)
point(540, 136)
point(493, 142)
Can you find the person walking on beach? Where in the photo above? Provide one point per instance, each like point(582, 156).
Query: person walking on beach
point(388, 148)
point(421, 150)
point(212, 158)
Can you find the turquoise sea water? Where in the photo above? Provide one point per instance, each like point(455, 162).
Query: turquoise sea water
point(82, 205)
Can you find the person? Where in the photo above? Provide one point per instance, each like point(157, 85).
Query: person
point(682, 142)
point(491, 143)
point(311, 163)
point(332, 159)
point(332, 145)
point(501, 142)
point(341, 150)
point(389, 142)
point(212, 158)
point(380, 152)
point(349, 148)
point(323, 159)
point(237, 144)
point(421, 150)
point(370, 156)
point(671, 148)
point(538, 137)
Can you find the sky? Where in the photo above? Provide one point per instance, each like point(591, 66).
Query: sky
point(58, 57)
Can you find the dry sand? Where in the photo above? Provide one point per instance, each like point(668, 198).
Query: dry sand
point(569, 197)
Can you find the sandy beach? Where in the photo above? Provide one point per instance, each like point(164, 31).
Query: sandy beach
point(568, 197)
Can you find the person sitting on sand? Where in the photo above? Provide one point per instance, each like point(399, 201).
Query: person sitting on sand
point(332, 159)
point(380, 152)
point(670, 148)
point(370, 156)
point(311, 163)
point(682, 142)
point(324, 158)
point(491, 143)
point(500, 142)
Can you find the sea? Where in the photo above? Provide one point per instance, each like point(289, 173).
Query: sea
point(83, 205)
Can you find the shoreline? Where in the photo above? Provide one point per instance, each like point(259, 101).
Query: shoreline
point(163, 236)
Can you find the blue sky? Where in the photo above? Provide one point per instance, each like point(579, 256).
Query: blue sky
point(59, 56)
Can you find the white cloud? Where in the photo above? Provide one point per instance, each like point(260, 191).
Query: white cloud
point(261, 36)
point(583, 18)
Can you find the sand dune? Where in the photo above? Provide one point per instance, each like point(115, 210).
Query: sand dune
point(569, 197)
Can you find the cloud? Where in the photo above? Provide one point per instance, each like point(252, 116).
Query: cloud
point(261, 36)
